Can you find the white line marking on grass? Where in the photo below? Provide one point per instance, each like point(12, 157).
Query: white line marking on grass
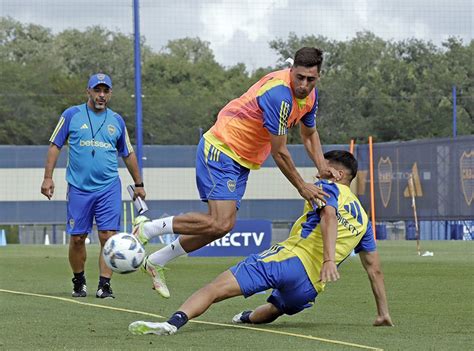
point(310, 337)
point(82, 303)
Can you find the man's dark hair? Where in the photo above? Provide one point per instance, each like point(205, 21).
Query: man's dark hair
point(344, 158)
point(309, 57)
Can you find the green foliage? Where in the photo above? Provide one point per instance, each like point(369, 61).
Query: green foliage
point(184, 90)
point(390, 90)
point(369, 86)
point(23, 43)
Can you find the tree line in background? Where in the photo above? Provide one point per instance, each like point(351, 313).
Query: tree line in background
point(390, 90)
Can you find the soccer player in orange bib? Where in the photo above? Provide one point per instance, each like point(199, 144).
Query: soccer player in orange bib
point(248, 129)
point(298, 268)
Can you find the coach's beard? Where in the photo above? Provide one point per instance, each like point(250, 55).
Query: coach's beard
point(100, 106)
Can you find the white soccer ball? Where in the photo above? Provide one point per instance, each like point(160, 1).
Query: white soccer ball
point(123, 253)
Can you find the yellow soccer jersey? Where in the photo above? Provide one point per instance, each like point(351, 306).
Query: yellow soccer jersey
point(354, 232)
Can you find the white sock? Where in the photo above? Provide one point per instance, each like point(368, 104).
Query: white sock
point(167, 253)
point(158, 227)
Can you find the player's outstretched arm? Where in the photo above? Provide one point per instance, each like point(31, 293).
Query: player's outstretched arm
point(329, 271)
point(312, 144)
point(285, 163)
point(371, 263)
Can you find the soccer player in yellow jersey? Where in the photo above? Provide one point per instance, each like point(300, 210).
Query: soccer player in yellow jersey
point(298, 268)
point(248, 129)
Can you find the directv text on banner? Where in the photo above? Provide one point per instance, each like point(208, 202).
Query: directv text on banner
point(247, 237)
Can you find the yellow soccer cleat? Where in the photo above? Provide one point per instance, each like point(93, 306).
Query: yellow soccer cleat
point(157, 274)
point(138, 230)
point(142, 328)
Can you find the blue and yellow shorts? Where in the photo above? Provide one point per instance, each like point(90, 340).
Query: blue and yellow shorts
point(104, 205)
point(281, 270)
point(218, 177)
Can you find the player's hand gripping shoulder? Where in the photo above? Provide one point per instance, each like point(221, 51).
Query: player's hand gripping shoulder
point(313, 194)
point(329, 173)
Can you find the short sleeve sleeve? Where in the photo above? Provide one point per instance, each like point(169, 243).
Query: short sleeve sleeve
point(276, 104)
point(61, 132)
point(124, 146)
point(309, 119)
point(332, 190)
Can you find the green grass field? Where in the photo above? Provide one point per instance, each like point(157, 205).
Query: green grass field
point(431, 301)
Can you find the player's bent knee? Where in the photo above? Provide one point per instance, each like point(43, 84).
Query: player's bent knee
point(221, 228)
point(104, 236)
point(227, 227)
point(77, 240)
point(217, 231)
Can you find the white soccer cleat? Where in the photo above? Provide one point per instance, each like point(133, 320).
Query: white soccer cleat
point(237, 319)
point(138, 231)
point(157, 274)
point(142, 328)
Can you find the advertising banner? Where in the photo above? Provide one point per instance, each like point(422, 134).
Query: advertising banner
point(247, 237)
point(443, 179)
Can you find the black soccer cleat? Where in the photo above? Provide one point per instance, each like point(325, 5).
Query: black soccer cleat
point(105, 292)
point(79, 289)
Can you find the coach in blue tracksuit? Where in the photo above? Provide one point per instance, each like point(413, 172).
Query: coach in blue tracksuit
point(96, 136)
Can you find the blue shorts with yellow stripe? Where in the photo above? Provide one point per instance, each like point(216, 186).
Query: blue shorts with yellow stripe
point(218, 177)
point(281, 270)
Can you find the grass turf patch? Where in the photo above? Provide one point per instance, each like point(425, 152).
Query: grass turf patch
point(430, 299)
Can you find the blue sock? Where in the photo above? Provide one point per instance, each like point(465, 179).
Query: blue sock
point(178, 319)
point(246, 317)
